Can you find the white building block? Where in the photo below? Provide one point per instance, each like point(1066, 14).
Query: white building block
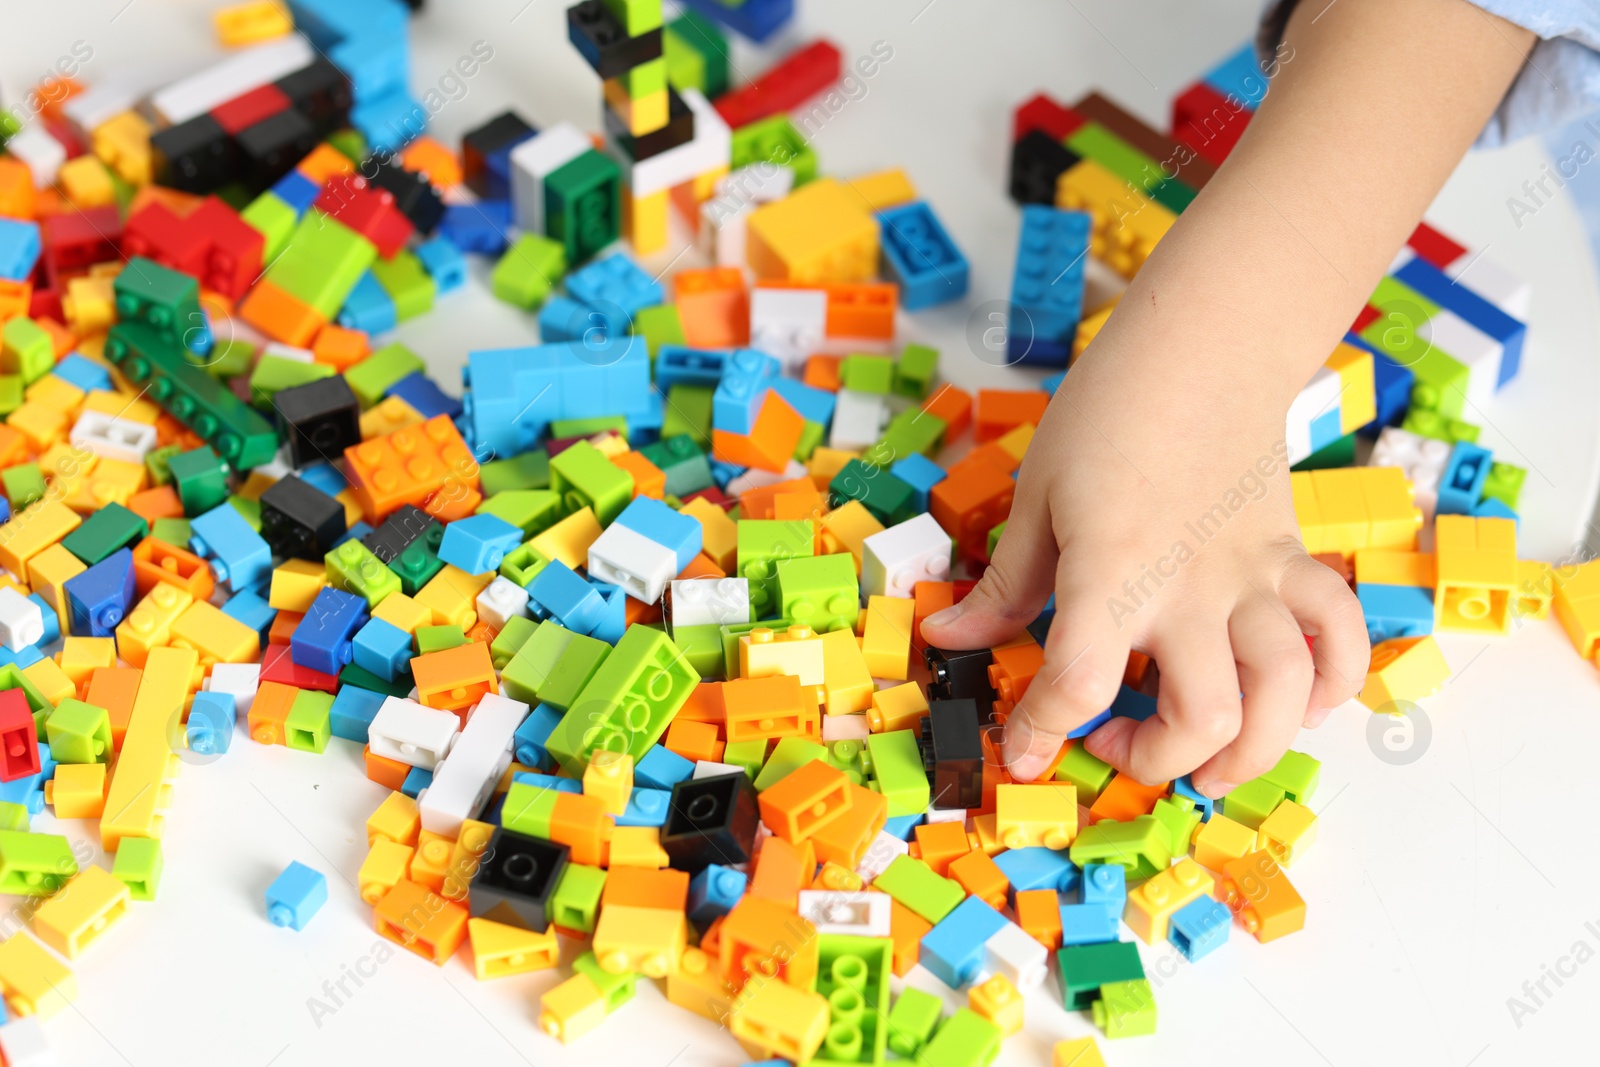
point(710, 601)
point(246, 69)
point(893, 561)
point(289, 352)
point(42, 153)
point(707, 150)
point(788, 324)
point(22, 1043)
point(1496, 284)
point(532, 162)
point(845, 728)
point(105, 99)
point(1320, 396)
point(858, 420)
point(464, 781)
point(724, 218)
point(857, 913)
point(882, 852)
point(415, 735)
point(945, 815)
point(632, 562)
point(238, 680)
point(1472, 348)
point(709, 769)
point(112, 438)
point(21, 620)
point(1014, 953)
point(1423, 459)
point(501, 601)
point(756, 479)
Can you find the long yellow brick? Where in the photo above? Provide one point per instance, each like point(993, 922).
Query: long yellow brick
point(141, 784)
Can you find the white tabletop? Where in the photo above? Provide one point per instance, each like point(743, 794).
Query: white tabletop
point(1436, 888)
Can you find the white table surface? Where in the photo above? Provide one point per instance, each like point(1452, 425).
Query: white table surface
point(1437, 887)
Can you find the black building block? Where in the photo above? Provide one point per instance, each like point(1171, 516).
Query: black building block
point(1037, 161)
point(321, 92)
point(960, 674)
point(678, 130)
point(713, 820)
point(952, 753)
point(413, 193)
point(196, 156)
point(398, 532)
point(515, 880)
point(499, 135)
point(300, 521)
point(270, 148)
point(601, 39)
point(320, 419)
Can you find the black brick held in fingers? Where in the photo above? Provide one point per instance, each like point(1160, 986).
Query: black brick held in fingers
point(953, 747)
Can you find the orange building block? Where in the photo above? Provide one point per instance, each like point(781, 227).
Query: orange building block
point(648, 479)
point(694, 740)
point(1000, 410)
point(846, 839)
point(155, 561)
point(705, 704)
point(771, 442)
point(805, 800)
point(644, 887)
point(324, 162)
point(581, 823)
point(269, 712)
point(758, 503)
point(761, 936)
point(162, 502)
point(952, 405)
point(1039, 914)
point(858, 309)
point(713, 306)
point(16, 189)
point(970, 502)
point(906, 930)
point(339, 347)
point(1256, 890)
point(280, 316)
point(822, 372)
point(1015, 664)
point(782, 869)
point(940, 843)
point(454, 679)
point(421, 921)
point(772, 707)
point(114, 688)
point(389, 773)
point(993, 454)
point(433, 159)
point(1125, 798)
point(283, 627)
point(421, 465)
point(981, 877)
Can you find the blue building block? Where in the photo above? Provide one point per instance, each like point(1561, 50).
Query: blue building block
point(295, 896)
point(1461, 485)
point(1240, 76)
point(651, 518)
point(497, 167)
point(1490, 508)
point(27, 791)
point(238, 555)
point(662, 768)
point(19, 248)
point(723, 473)
point(211, 720)
point(424, 394)
point(617, 288)
point(547, 781)
point(52, 621)
point(479, 228)
point(478, 543)
point(23, 658)
point(1087, 924)
point(1129, 704)
point(613, 622)
point(1395, 610)
point(1036, 867)
point(1052, 383)
point(755, 19)
point(1391, 384)
point(5, 510)
point(646, 807)
point(1184, 787)
point(1325, 430)
point(813, 404)
point(714, 892)
point(296, 190)
point(250, 608)
point(557, 592)
point(1199, 927)
point(920, 256)
point(742, 390)
point(84, 373)
point(444, 263)
point(1047, 285)
point(1105, 885)
point(353, 710)
point(528, 743)
point(903, 826)
point(390, 121)
point(322, 639)
point(1433, 284)
point(382, 648)
point(953, 949)
point(416, 780)
point(564, 319)
point(921, 474)
point(325, 477)
point(369, 307)
point(682, 365)
point(100, 597)
point(517, 392)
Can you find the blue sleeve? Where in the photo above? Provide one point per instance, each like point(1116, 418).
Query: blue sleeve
point(1559, 82)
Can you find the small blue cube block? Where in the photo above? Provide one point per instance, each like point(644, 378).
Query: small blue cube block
point(444, 263)
point(239, 556)
point(528, 743)
point(1199, 927)
point(295, 896)
point(19, 248)
point(1036, 867)
point(479, 543)
point(953, 949)
point(322, 639)
point(1461, 485)
point(714, 891)
point(382, 648)
point(369, 307)
point(211, 720)
point(682, 365)
point(84, 373)
point(251, 609)
point(813, 404)
point(296, 190)
point(1184, 787)
point(662, 768)
point(479, 228)
point(921, 474)
point(558, 592)
point(353, 710)
point(1087, 924)
point(746, 377)
point(416, 780)
point(615, 283)
point(100, 597)
point(902, 826)
point(646, 807)
point(1105, 885)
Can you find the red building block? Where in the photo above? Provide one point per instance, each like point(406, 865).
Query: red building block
point(247, 109)
point(368, 210)
point(1206, 122)
point(801, 75)
point(19, 737)
point(1042, 113)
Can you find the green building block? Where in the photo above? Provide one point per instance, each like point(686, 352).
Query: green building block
point(1085, 968)
point(420, 562)
point(349, 143)
point(201, 479)
point(1251, 802)
point(353, 568)
point(1297, 774)
point(914, 884)
point(913, 430)
point(746, 754)
point(274, 219)
point(528, 808)
point(274, 374)
point(438, 638)
point(890, 500)
point(915, 370)
point(761, 545)
point(24, 485)
point(589, 427)
point(702, 647)
point(731, 632)
point(774, 140)
point(1138, 846)
point(897, 771)
point(309, 725)
point(912, 1021)
point(105, 531)
point(249, 509)
point(704, 37)
point(628, 703)
point(1340, 452)
point(867, 374)
point(163, 299)
point(681, 461)
point(853, 974)
point(617, 989)
point(1434, 425)
point(227, 359)
point(583, 203)
point(576, 901)
point(644, 79)
point(578, 663)
point(531, 510)
point(688, 413)
point(322, 262)
point(372, 377)
point(523, 564)
point(1178, 818)
point(638, 17)
point(510, 639)
point(659, 325)
point(821, 592)
point(788, 756)
point(529, 470)
point(529, 269)
point(1086, 773)
point(362, 678)
point(158, 462)
point(849, 756)
point(586, 478)
point(11, 394)
point(966, 1039)
point(408, 284)
point(811, 435)
point(175, 532)
point(78, 733)
point(25, 349)
point(1504, 484)
point(1126, 1009)
point(14, 816)
point(995, 533)
point(138, 866)
point(525, 675)
point(34, 865)
point(686, 67)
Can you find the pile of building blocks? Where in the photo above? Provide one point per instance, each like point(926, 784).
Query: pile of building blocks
point(630, 630)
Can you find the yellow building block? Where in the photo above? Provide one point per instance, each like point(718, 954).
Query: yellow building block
point(259, 20)
point(89, 304)
point(141, 783)
point(67, 467)
point(217, 636)
point(897, 708)
point(123, 145)
point(352, 506)
point(609, 445)
point(1077, 1052)
point(430, 862)
point(111, 482)
point(40, 425)
point(632, 938)
point(886, 636)
point(499, 951)
point(571, 1009)
point(385, 866)
point(825, 463)
point(149, 624)
point(51, 680)
point(1387, 566)
point(609, 777)
point(1347, 509)
point(1151, 905)
point(122, 407)
point(844, 529)
point(644, 221)
point(396, 819)
point(1017, 440)
point(1536, 589)
point(697, 985)
point(569, 539)
point(48, 573)
point(77, 791)
point(1039, 813)
point(1089, 328)
point(399, 610)
point(86, 907)
point(452, 596)
point(1393, 518)
point(779, 1019)
point(799, 651)
point(472, 841)
point(1358, 399)
point(86, 183)
point(1220, 839)
point(80, 657)
point(386, 416)
point(822, 232)
point(1477, 565)
point(1403, 669)
point(641, 114)
point(1287, 832)
point(638, 846)
point(1126, 223)
point(719, 538)
point(998, 1001)
point(33, 981)
point(883, 189)
point(848, 683)
point(296, 583)
point(1577, 605)
point(57, 394)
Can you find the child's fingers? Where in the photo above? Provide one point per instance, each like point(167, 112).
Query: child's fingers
point(1011, 593)
point(1327, 611)
point(1197, 707)
point(1084, 659)
point(1275, 673)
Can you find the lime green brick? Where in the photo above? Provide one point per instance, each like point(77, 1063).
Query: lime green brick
point(373, 376)
point(1178, 817)
point(25, 349)
point(966, 1039)
point(586, 478)
point(637, 16)
point(24, 485)
point(579, 662)
point(1251, 802)
point(915, 885)
point(525, 675)
point(702, 647)
point(688, 413)
point(174, 532)
point(34, 865)
point(898, 773)
point(912, 1021)
point(1087, 774)
point(138, 866)
point(617, 989)
point(322, 262)
point(659, 325)
point(11, 394)
point(227, 359)
point(774, 140)
point(78, 733)
point(646, 78)
point(274, 374)
point(704, 37)
point(528, 808)
point(159, 463)
point(915, 371)
point(14, 816)
point(686, 67)
point(746, 754)
point(811, 434)
point(438, 638)
point(589, 427)
point(523, 564)
point(510, 639)
point(1094, 141)
point(788, 756)
point(867, 374)
point(1138, 846)
point(272, 217)
point(309, 724)
point(529, 470)
point(531, 510)
point(1505, 484)
point(408, 284)
point(353, 568)
point(249, 509)
point(1125, 1009)
point(1297, 774)
point(1434, 425)
point(576, 901)
point(528, 270)
point(349, 143)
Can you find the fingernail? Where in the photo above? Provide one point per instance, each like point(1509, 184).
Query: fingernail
point(945, 616)
point(1216, 789)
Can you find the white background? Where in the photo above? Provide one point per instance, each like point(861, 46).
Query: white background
point(1435, 889)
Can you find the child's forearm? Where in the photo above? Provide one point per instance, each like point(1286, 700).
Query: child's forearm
point(1275, 258)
